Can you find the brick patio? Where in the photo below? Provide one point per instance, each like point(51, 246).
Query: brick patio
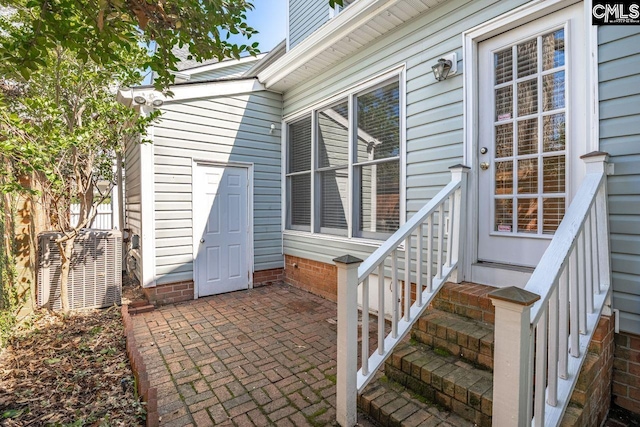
point(259, 357)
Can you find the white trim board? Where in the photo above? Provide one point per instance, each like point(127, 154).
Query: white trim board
point(148, 209)
point(223, 64)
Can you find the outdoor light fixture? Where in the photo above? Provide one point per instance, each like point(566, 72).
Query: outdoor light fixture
point(150, 100)
point(446, 66)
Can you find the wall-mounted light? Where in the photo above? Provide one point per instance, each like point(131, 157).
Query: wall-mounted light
point(272, 128)
point(149, 99)
point(446, 66)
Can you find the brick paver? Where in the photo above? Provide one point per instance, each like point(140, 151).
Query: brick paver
point(260, 357)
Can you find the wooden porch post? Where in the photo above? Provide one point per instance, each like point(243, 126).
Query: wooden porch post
point(347, 359)
point(512, 356)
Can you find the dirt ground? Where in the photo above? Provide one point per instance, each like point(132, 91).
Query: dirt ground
point(69, 371)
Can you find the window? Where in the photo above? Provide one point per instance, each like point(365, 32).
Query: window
point(355, 168)
point(334, 11)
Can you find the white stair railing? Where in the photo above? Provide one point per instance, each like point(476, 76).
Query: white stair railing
point(439, 224)
point(542, 332)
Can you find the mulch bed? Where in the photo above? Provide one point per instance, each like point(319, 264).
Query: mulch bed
point(69, 371)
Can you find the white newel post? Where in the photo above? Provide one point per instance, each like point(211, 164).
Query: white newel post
point(347, 359)
point(512, 347)
point(459, 173)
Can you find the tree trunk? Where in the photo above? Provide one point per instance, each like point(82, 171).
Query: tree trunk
point(66, 249)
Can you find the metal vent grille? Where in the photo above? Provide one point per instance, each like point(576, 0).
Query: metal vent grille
point(95, 279)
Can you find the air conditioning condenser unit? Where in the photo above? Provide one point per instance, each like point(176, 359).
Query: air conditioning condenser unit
point(95, 276)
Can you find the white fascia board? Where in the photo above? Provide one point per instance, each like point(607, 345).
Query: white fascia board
point(193, 90)
point(223, 64)
point(356, 15)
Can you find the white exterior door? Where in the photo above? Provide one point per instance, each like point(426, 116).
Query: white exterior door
point(532, 130)
point(221, 227)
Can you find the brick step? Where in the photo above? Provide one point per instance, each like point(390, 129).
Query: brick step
point(466, 299)
point(470, 339)
point(387, 403)
point(444, 379)
point(142, 306)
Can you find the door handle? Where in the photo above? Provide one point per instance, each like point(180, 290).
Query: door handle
point(484, 166)
point(201, 240)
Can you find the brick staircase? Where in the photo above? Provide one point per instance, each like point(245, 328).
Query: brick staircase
point(443, 375)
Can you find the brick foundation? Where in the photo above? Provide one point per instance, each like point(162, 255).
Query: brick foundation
point(312, 276)
point(591, 399)
point(169, 293)
point(626, 372)
point(267, 277)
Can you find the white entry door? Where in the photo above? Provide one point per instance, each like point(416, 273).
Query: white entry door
point(221, 227)
point(532, 130)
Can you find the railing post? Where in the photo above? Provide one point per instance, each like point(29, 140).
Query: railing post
point(595, 162)
point(459, 173)
point(347, 358)
point(512, 350)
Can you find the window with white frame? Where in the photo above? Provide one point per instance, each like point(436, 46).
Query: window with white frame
point(350, 186)
point(335, 10)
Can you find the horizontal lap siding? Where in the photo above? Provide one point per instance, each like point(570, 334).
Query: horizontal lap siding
point(132, 199)
point(306, 16)
point(228, 129)
point(619, 94)
point(434, 110)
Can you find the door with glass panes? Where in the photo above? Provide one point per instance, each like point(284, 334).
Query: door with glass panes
point(532, 130)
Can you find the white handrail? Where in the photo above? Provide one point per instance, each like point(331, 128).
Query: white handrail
point(406, 305)
point(553, 319)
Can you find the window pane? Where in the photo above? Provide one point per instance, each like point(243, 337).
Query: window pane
point(527, 136)
point(528, 176)
point(528, 215)
point(504, 66)
point(553, 132)
point(380, 197)
point(552, 214)
point(504, 103)
point(333, 136)
point(553, 50)
point(504, 140)
point(378, 133)
point(300, 199)
point(504, 177)
point(334, 198)
point(554, 174)
point(527, 58)
point(553, 91)
point(527, 97)
point(504, 215)
point(300, 146)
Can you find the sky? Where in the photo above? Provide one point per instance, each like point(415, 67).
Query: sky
point(269, 17)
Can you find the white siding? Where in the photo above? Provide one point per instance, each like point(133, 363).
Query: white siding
point(306, 16)
point(434, 109)
point(133, 209)
point(227, 129)
point(619, 75)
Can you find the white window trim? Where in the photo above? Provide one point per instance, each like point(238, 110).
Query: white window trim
point(348, 93)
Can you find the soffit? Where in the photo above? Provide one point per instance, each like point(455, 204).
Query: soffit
point(357, 26)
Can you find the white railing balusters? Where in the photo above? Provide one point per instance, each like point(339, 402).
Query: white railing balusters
point(365, 327)
point(564, 297)
point(394, 294)
point(430, 253)
point(440, 240)
point(403, 315)
point(419, 266)
point(552, 394)
point(407, 277)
